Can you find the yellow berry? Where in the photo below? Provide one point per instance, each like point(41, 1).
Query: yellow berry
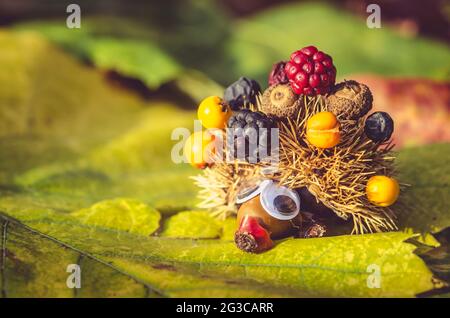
point(322, 130)
point(214, 112)
point(382, 191)
point(199, 149)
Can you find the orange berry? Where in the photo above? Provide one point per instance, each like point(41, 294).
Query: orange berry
point(382, 191)
point(199, 149)
point(322, 130)
point(214, 112)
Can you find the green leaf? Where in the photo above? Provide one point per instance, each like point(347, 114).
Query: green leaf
point(50, 104)
point(333, 266)
point(104, 143)
point(155, 45)
point(437, 258)
point(134, 59)
point(423, 203)
point(192, 224)
point(129, 57)
point(33, 265)
point(228, 229)
point(122, 214)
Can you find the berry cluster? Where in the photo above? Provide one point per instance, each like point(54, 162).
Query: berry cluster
point(310, 71)
point(242, 93)
point(249, 137)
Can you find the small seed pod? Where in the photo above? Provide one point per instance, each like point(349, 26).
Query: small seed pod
point(382, 191)
point(379, 127)
point(280, 101)
point(350, 100)
point(213, 112)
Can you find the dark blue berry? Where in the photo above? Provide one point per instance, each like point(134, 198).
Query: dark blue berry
point(379, 127)
point(241, 93)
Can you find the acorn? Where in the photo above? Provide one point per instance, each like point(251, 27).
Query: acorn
point(350, 100)
point(280, 101)
point(268, 211)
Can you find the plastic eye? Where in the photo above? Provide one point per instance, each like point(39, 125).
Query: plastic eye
point(251, 189)
point(280, 202)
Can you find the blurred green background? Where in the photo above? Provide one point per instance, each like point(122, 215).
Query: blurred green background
point(225, 39)
point(183, 51)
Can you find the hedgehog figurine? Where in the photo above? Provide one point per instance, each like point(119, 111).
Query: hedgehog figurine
point(332, 167)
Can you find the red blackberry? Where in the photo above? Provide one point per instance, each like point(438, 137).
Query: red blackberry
point(278, 74)
point(310, 71)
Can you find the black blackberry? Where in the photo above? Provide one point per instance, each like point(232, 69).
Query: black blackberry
point(249, 136)
point(379, 127)
point(241, 93)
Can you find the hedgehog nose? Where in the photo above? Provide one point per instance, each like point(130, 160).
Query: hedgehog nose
point(251, 236)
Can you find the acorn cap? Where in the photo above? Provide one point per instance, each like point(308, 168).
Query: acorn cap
point(350, 100)
point(246, 242)
point(280, 101)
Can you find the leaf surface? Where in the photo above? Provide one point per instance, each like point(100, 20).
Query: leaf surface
point(122, 214)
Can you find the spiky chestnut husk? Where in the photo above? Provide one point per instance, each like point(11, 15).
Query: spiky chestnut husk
point(220, 184)
point(280, 101)
point(350, 100)
point(336, 177)
point(278, 74)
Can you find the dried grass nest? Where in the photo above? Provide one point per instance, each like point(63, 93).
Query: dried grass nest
point(337, 176)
